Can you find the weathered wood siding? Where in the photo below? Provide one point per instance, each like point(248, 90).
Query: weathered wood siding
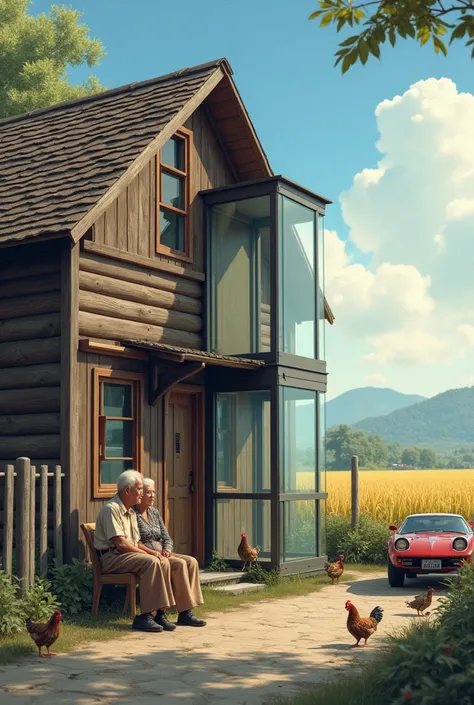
point(30, 353)
point(151, 430)
point(130, 222)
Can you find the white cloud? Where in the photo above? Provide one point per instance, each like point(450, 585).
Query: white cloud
point(412, 215)
point(376, 380)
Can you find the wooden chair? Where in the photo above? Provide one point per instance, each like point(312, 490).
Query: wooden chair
point(100, 578)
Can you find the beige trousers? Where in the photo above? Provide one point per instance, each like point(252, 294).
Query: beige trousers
point(169, 582)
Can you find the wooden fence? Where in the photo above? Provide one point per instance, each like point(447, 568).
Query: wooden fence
point(25, 489)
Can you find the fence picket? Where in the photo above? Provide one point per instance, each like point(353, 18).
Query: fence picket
point(8, 499)
point(43, 547)
point(23, 473)
point(58, 527)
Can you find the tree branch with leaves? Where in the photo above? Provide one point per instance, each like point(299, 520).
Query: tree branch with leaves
point(381, 21)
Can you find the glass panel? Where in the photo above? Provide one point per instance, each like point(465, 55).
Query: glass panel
point(298, 529)
point(117, 400)
point(172, 153)
point(298, 439)
point(243, 442)
point(234, 516)
point(322, 290)
point(118, 439)
point(322, 442)
point(322, 528)
point(111, 469)
point(172, 190)
point(240, 264)
point(172, 230)
point(297, 286)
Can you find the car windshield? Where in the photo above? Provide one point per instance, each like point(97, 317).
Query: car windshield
point(436, 523)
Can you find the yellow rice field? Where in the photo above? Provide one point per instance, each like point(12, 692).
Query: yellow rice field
point(391, 495)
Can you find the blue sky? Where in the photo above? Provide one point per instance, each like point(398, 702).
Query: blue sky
point(317, 127)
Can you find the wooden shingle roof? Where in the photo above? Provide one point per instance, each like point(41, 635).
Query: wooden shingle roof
point(57, 163)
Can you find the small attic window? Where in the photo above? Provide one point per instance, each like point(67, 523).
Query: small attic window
point(173, 198)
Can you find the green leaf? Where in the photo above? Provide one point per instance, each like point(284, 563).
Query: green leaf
point(350, 40)
point(349, 59)
point(392, 37)
point(458, 32)
point(374, 47)
point(316, 14)
point(423, 35)
point(327, 19)
point(439, 45)
point(363, 51)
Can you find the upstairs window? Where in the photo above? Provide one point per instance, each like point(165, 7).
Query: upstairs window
point(173, 186)
point(117, 434)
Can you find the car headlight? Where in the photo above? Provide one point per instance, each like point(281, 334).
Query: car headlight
point(402, 545)
point(459, 544)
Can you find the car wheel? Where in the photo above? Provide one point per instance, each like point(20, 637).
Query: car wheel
point(396, 577)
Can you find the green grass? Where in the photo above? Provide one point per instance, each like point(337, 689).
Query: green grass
point(350, 690)
point(79, 630)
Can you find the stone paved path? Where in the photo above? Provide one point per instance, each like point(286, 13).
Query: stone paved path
point(246, 657)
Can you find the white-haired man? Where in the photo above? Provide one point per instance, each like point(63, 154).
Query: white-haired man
point(117, 543)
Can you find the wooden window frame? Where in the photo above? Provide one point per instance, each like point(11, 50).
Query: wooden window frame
point(136, 380)
point(187, 256)
point(223, 486)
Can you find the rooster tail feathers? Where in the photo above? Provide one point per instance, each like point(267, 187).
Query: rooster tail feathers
point(377, 614)
point(28, 622)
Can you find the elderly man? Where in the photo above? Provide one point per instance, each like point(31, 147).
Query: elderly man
point(117, 543)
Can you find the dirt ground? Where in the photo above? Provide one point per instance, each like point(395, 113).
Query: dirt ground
point(246, 657)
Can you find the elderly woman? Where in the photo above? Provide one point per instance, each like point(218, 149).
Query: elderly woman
point(183, 574)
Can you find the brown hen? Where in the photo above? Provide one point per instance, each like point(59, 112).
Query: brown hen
point(45, 633)
point(362, 627)
point(247, 554)
point(335, 570)
point(421, 602)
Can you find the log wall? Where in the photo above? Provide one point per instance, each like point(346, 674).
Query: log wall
point(30, 353)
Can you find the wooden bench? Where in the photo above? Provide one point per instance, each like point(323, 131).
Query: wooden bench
point(129, 579)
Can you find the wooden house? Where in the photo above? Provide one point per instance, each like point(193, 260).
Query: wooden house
point(162, 308)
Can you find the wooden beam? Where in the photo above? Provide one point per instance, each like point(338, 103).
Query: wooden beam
point(148, 153)
point(99, 348)
point(141, 260)
point(171, 377)
point(71, 437)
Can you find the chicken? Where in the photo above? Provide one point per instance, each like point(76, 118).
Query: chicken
point(247, 553)
point(45, 633)
point(335, 570)
point(362, 627)
point(421, 602)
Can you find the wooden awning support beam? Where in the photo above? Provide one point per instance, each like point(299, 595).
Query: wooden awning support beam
point(164, 379)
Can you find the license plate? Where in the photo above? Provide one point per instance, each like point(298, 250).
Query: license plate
point(430, 565)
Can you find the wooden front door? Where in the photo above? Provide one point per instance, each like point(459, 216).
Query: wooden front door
point(183, 470)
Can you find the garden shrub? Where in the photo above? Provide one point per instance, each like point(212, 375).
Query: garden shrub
point(367, 543)
point(256, 574)
point(38, 604)
point(218, 564)
point(72, 584)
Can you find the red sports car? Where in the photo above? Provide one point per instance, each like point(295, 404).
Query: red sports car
point(428, 543)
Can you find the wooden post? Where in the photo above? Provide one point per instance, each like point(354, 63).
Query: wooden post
point(23, 477)
point(8, 499)
point(354, 491)
point(58, 525)
point(44, 521)
point(32, 524)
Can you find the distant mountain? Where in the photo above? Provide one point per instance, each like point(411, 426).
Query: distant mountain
point(443, 422)
point(358, 404)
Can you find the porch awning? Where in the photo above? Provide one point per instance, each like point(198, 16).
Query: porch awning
point(180, 355)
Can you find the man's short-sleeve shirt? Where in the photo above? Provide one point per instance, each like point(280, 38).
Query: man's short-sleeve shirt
point(114, 519)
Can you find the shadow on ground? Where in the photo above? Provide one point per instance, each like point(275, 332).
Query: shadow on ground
point(171, 676)
point(379, 587)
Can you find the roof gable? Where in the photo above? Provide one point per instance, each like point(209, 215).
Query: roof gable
point(60, 167)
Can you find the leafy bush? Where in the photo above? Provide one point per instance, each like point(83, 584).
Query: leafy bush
point(256, 574)
point(38, 603)
point(367, 543)
point(11, 614)
point(73, 586)
point(218, 564)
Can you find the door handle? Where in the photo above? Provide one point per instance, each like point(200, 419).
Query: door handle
point(191, 483)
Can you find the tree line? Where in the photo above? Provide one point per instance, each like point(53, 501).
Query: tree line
point(342, 442)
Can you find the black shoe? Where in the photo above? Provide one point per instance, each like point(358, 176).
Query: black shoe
point(146, 623)
point(161, 620)
point(187, 619)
